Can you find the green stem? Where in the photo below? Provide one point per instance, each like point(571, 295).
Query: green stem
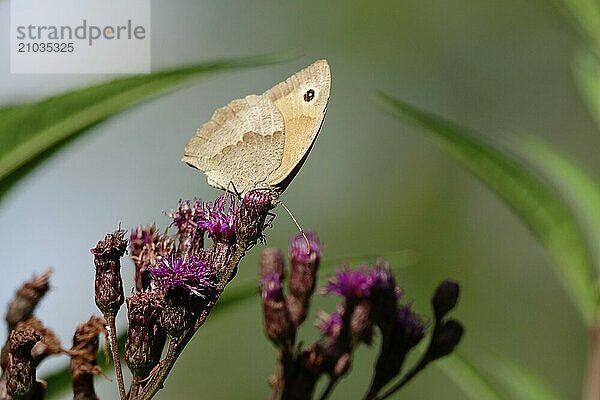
point(114, 348)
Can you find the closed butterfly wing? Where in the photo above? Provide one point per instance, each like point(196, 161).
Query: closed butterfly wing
point(242, 144)
point(262, 141)
point(302, 101)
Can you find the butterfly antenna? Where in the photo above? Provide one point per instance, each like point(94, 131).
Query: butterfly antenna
point(298, 225)
point(235, 191)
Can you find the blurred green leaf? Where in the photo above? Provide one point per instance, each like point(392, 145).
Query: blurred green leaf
point(579, 188)
point(60, 381)
point(521, 382)
point(474, 385)
point(585, 15)
point(586, 71)
point(31, 132)
point(530, 198)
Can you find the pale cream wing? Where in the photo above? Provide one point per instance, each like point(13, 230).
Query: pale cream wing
point(248, 163)
point(302, 101)
point(230, 126)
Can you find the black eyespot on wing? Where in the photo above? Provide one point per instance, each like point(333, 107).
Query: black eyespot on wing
point(309, 95)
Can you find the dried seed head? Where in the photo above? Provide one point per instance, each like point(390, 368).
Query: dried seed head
point(108, 283)
point(26, 299)
point(20, 373)
point(83, 358)
point(49, 343)
point(145, 337)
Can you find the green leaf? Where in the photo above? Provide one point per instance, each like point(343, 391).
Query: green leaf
point(586, 71)
point(585, 15)
point(521, 382)
point(579, 188)
point(474, 385)
point(546, 215)
point(60, 381)
point(31, 132)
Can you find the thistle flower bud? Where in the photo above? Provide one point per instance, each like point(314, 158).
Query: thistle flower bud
point(445, 339)
point(271, 261)
point(361, 323)
point(145, 337)
point(108, 283)
point(83, 358)
point(445, 298)
point(330, 325)
point(276, 316)
point(20, 374)
point(252, 214)
point(304, 263)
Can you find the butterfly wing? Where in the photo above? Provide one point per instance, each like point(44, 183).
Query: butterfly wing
point(242, 144)
point(248, 163)
point(302, 101)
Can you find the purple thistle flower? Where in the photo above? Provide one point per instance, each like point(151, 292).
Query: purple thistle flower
point(189, 273)
point(219, 218)
point(330, 324)
point(350, 283)
point(299, 247)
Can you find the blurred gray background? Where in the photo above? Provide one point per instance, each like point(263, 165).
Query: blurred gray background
point(370, 186)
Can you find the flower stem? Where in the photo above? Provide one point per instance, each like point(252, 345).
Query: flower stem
point(176, 346)
point(330, 386)
point(411, 374)
point(114, 348)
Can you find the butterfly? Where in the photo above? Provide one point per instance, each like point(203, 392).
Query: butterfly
point(261, 141)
